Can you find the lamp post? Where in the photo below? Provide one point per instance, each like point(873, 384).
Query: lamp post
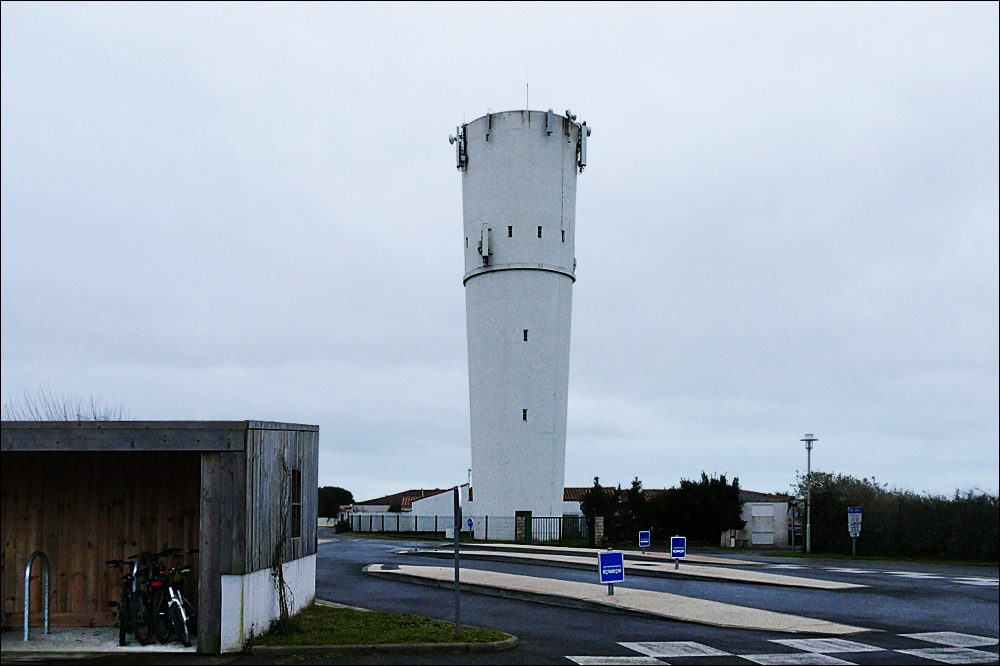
point(808, 439)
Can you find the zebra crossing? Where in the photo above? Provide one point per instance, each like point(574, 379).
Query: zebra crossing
point(944, 647)
point(979, 581)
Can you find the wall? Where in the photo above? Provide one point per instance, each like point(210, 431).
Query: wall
point(82, 508)
point(250, 601)
point(766, 526)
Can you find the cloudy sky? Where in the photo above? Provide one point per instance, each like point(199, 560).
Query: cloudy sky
point(789, 224)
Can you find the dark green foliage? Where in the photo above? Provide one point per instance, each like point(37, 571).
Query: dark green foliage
point(598, 502)
point(331, 498)
point(899, 523)
point(342, 526)
point(700, 510)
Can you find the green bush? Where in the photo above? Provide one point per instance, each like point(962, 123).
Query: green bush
point(901, 523)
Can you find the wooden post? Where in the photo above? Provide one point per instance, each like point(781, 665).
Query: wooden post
point(209, 577)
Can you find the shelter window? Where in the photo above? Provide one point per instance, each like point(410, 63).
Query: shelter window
point(563, 237)
point(295, 517)
point(525, 335)
point(539, 232)
point(524, 414)
point(510, 232)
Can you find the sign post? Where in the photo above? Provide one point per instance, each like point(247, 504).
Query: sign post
point(611, 566)
point(678, 550)
point(854, 527)
point(458, 529)
point(644, 541)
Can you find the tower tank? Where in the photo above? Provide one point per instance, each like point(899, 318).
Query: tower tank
point(519, 171)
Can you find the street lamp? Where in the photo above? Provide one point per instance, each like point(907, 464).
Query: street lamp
point(809, 439)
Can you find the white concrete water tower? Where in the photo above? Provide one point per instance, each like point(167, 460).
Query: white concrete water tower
point(519, 172)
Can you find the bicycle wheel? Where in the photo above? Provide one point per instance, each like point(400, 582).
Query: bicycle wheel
point(180, 624)
point(161, 616)
point(142, 627)
point(123, 620)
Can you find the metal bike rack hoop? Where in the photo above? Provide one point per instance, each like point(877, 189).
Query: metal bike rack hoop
point(27, 589)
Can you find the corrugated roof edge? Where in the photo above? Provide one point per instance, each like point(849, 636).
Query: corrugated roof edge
point(125, 425)
point(158, 425)
point(274, 425)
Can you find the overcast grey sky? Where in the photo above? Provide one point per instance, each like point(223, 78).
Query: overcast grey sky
point(789, 224)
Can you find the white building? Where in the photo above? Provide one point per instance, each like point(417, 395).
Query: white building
point(519, 172)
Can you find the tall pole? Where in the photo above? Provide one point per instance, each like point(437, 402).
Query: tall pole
point(809, 439)
point(458, 528)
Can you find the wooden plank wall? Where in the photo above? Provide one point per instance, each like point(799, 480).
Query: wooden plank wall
point(269, 453)
point(82, 508)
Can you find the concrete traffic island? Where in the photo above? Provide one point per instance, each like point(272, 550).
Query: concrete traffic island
point(651, 556)
point(625, 600)
point(640, 568)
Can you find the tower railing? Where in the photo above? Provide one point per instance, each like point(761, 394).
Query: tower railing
point(27, 589)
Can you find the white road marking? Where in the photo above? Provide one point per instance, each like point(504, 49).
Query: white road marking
point(953, 655)
point(675, 649)
point(851, 570)
point(787, 566)
point(615, 661)
point(952, 638)
point(973, 580)
point(914, 574)
point(807, 658)
point(826, 645)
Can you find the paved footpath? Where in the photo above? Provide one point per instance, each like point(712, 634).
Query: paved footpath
point(589, 595)
point(660, 569)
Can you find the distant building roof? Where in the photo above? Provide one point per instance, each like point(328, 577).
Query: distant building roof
point(404, 498)
point(576, 494)
point(751, 496)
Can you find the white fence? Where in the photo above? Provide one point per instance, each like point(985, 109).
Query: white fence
point(493, 528)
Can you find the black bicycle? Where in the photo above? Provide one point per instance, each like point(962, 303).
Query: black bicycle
point(170, 608)
point(133, 604)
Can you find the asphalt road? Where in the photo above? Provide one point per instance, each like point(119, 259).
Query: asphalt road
point(902, 599)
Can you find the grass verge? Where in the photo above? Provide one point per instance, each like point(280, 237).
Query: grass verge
point(322, 625)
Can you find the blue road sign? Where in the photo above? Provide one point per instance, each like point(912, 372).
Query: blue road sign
point(612, 567)
point(469, 523)
point(644, 539)
point(678, 547)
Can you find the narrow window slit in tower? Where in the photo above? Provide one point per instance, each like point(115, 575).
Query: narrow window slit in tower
point(525, 335)
point(466, 241)
point(510, 232)
point(563, 237)
point(539, 232)
point(524, 414)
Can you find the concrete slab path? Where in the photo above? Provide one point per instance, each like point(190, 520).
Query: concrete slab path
point(625, 600)
point(664, 570)
point(633, 554)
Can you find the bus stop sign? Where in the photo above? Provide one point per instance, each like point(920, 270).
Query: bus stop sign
point(644, 539)
point(678, 547)
point(612, 567)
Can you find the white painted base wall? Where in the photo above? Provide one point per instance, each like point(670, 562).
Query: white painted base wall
point(250, 602)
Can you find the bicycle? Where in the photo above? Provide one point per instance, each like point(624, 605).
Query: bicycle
point(170, 608)
point(133, 604)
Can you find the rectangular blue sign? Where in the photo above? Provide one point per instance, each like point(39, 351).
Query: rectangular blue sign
point(644, 539)
point(853, 509)
point(612, 567)
point(678, 547)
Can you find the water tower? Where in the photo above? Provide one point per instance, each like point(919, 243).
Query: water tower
point(519, 172)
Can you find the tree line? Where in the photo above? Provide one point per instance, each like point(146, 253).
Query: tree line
point(901, 523)
point(700, 510)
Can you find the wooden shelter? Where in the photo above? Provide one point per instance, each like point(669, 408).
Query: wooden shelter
point(243, 492)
